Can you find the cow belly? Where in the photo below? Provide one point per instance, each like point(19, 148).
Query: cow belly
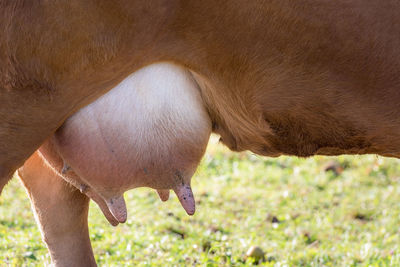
point(151, 130)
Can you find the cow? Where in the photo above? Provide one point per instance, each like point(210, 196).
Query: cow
point(294, 77)
point(151, 130)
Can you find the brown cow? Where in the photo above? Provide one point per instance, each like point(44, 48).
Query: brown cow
point(290, 77)
point(296, 77)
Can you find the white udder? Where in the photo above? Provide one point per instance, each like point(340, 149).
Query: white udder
point(150, 130)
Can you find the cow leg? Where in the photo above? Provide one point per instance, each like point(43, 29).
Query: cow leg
point(61, 212)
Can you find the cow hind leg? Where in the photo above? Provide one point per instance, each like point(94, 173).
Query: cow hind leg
point(61, 212)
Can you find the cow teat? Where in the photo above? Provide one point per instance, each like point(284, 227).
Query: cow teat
point(103, 206)
point(163, 194)
point(185, 196)
point(117, 207)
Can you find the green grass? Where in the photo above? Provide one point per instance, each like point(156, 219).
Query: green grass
point(295, 211)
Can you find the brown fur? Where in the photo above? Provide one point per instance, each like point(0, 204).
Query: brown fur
point(278, 77)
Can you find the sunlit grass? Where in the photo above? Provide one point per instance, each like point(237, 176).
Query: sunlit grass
point(298, 213)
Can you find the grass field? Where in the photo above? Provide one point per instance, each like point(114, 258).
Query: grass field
point(295, 210)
